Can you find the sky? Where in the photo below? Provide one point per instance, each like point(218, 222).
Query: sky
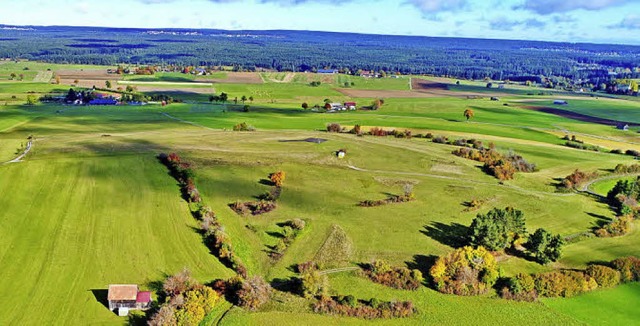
point(597, 21)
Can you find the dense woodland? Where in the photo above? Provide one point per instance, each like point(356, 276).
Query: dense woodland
point(309, 51)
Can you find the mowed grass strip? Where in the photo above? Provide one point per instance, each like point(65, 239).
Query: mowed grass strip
point(71, 227)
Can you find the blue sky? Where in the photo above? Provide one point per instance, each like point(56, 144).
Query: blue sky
point(600, 21)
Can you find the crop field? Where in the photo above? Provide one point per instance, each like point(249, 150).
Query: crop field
point(90, 205)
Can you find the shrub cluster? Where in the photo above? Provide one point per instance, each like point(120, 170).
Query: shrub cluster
point(213, 232)
point(182, 172)
point(466, 271)
point(618, 227)
point(629, 268)
point(544, 247)
point(567, 283)
point(626, 169)
point(243, 127)
point(334, 127)
point(310, 282)
point(290, 232)
point(218, 240)
point(372, 309)
point(496, 164)
point(186, 302)
point(393, 199)
point(403, 278)
point(624, 197)
point(573, 142)
point(266, 202)
point(575, 179)
point(251, 293)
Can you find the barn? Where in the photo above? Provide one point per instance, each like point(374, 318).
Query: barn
point(125, 297)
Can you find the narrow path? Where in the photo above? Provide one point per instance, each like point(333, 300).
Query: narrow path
point(585, 187)
point(26, 151)
point(187, 122)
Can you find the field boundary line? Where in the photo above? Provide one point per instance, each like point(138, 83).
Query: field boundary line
point(338, 270)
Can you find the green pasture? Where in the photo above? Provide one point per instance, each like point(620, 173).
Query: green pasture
point(90, 205)
point(603, 307)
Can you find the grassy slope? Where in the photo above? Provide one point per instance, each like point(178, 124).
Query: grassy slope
point(604, 307)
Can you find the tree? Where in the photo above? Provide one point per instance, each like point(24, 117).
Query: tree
point(224, 97)
point(377, 104)
point(251, 99)
point(243, 99)
point(466, 271)
point(468, 113)
point(498, 229)
point(13, 76)
point(277, 178)
point(327, 106)
point(489, 85)
point(107, 83)
point(544, 246)
point(235, 100)
point(305, 105)
point(31, 100)
point(253, 293)
point(129, 89)
point(76, 82)
point(21, 77)
point(57, 80)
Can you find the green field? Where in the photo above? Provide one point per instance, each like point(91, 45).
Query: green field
point(90, 205)
point(604, 307)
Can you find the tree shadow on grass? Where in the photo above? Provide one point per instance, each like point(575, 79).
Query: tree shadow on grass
point(600, 221)
point(454, 235)
point(423, 264)
point(290, 285)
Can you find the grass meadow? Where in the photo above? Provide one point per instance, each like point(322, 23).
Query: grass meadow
point(90, 205)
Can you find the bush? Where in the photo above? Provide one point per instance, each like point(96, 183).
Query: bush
point(466, 271)
point(253, 293)
point(563, 284)
point(243, 127)
point(618, 227)
point(313, 284)
point(520, 288)
point(603, 275)
point(629, 268)
point(381, 272)
point(334, 127)
point(277, 178)
point(297, 224)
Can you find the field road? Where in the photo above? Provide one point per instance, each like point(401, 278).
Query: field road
point(585, 187)
point(26, 151)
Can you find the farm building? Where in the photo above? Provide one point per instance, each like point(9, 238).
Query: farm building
point(125, 297)
point(624, 127)
point(560, 102)
point(350, 105)
point(103, 101)
point(337, 106)
point(327, 71)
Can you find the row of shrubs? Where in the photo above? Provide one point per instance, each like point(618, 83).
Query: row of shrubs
point(372, 309)
point(266, 202)
point(583, 146)
point(568, 283)
point(381, 272)
point(495, 163)
point(243, 126)
point(393, 199)
point(290, 231)
point(186, 302)
point(213, 232)
point(625, 169)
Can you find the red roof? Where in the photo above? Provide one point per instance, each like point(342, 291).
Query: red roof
point(144, 297)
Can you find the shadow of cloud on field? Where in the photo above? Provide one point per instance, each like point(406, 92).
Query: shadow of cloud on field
point(453, 235)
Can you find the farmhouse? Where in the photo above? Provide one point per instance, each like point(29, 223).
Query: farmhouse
point(125, 297)
point(350, 105)
point(560, 102)
point(337, 106)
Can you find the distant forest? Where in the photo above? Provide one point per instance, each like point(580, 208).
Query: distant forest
point(309, 51)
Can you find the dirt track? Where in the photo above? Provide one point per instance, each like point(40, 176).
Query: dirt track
point(579, 116)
